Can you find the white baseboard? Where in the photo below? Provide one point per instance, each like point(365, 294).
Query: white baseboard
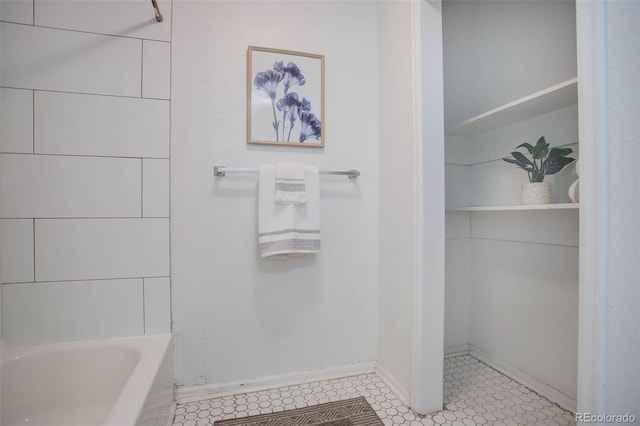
point(563, 400)
point(197, 393)
point(456, 350)
point(401, 392)
point(172, 413)
point(216, 390)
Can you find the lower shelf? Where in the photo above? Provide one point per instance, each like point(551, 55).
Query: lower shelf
point(558, 206)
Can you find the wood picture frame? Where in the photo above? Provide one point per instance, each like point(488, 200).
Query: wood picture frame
point(285, 98)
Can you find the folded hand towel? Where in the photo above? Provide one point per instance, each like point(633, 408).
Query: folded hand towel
point(290, 185)
point(288, 228)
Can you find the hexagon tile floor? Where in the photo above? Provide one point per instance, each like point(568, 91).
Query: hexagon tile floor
point(474, 394)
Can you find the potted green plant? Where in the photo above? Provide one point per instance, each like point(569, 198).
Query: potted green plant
point(543, 162)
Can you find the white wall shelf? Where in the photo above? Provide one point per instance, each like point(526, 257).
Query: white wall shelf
point(549, 99)
point(557, 206)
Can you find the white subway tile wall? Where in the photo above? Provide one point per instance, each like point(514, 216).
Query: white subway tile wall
point(72, 249)
point(105, 18)
point(60, 186)
point(75, 124)
point(85, 175)
point(17, 250)
point(156, 295)
point(155, 69)
point(70, 61)
point(16, 115)
point(20, 11)
point(48, 312)
point(155, 178)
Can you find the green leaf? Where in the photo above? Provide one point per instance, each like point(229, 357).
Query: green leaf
point(537, 176)
point(521, 158)
point(526, 145)
point(555, 162)
point(523, 166)
point(561, 151)
point(541, 150)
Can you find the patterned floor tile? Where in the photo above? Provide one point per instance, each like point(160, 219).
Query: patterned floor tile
point(474, 394)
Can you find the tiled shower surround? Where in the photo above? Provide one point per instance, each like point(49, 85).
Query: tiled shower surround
point(474, 394)
point(84, 208)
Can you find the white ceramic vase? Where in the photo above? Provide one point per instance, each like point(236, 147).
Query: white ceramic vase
point(574, 191)
point(536, 193)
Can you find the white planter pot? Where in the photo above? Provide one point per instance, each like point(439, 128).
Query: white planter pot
point(536, 193)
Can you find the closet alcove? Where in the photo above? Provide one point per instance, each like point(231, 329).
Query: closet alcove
point(511, 279)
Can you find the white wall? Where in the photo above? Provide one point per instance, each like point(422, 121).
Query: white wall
point(524, 293)
point(610, 234)
point(411, 234)
point(85, 170)
point(238, 318)
point(457, 57)
point(540, 49)
point(512, 277)
point(623, 296)
point(457, 296)
point(396, 202)
point(428, 353)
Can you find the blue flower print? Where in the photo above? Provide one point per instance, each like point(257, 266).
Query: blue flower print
point(267, 81)
point(311, 126)
point(304, 105)
point(288, 103)
point(289, 106)
point(292, 76)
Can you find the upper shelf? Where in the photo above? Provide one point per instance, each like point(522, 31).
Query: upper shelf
point(557, 206)
point(549, 99)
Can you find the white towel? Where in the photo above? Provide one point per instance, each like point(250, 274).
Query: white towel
point(290, 185)
point(288, 228)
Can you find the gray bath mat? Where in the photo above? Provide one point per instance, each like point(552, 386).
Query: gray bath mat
point(350, 412)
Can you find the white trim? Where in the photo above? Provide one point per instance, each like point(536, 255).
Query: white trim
point(172, 413)
point(216, 390)
point(555, 206)
point(593, 243)
point(563, 400)
point(413, 398)
point(428, 307)
point(456, 350)
point(394, 385)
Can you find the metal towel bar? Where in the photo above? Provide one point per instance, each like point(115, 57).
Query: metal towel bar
point(222, 171)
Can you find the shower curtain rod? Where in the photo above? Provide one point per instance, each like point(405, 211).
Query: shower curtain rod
point(159, 17)
point(222, 171)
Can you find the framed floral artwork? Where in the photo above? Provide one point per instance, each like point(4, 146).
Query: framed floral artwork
point(285, 97)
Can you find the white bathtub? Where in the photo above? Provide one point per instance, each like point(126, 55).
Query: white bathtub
point(115, 382)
